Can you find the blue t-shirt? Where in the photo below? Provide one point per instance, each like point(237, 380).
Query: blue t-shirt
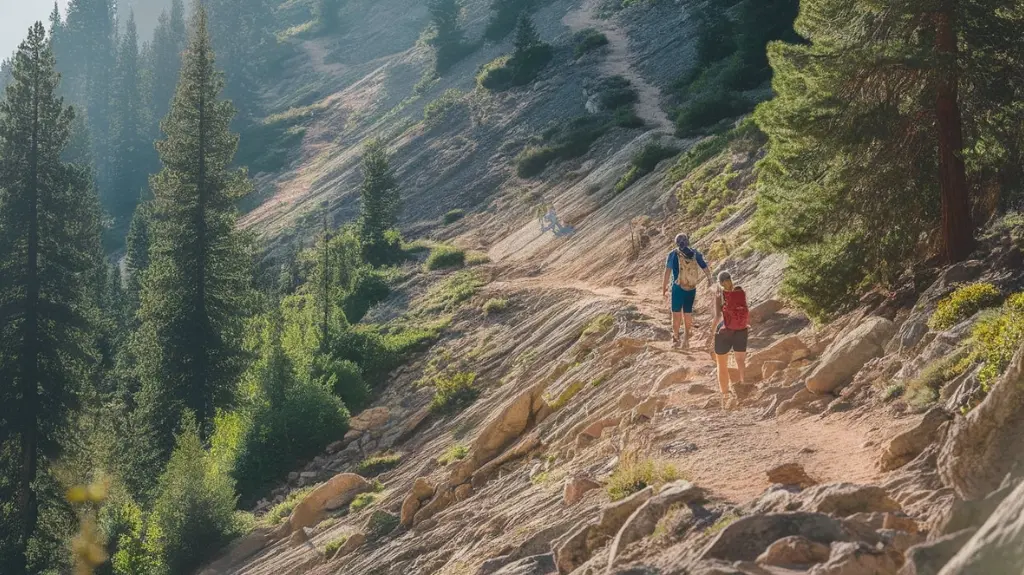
point(673, 262)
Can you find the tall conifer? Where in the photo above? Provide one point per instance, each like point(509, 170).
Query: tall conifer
point(131, 146)
point(194, 289)
point(49, 238)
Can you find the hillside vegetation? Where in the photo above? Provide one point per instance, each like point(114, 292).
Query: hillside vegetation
point(371, 286)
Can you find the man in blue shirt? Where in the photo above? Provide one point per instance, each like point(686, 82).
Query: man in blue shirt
point(683, 267)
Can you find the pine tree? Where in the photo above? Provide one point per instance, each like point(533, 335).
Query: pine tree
point(165, 64)
point(866, 137)
point(49, 237)
point(447, 38)
point(526, 36)
point(505, 16)
point(380, 205)
point(194, 291)
point(137, 254)
point(130, 131)
point(242, 37)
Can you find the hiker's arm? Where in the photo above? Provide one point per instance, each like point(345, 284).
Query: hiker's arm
point(664, 281)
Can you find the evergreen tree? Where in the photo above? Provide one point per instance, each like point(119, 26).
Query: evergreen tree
point(194, 291)
point(447, 38)
point(165, 59)
point(526, 36)
point(130, 130)
point(49, 238)
point(242, 37)
point(866, 144)
point(504, 18)
point(137, 253)
point(381, 203)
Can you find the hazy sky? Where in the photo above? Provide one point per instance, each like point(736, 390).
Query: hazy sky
point(15, 18)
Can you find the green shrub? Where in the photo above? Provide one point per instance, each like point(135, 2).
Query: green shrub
point(626, 117)
point(707, 110)
point(344, 378)
point(435, 113)
point(193, 515)
point(508, 72)
point(643, 162)
point(711, 147)
point(380, 524)
point(962, 303)
point(823, 279)
point(532, 161)
point(495, 305)
point(447, 294)
point(377, 464)
point(503, 20)
point(598, 326)
point(633, 473)
point(495, 75)
point(587, 40)
point(282, 510)
point(453, 393)
point(454, 215)
point(445, 256)
point(333, 545)
point(281, 435)
point(996, 338)
point(362, 501)
point(454, 453)
point(616, 92)
point(370, 287)
point(924, 389)
point(475, 258)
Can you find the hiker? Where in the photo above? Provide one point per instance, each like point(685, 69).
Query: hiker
point(683, 266)
point(732, 323)
point(549, 221)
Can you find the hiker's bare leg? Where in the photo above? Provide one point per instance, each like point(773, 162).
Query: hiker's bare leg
point(688, 323)
point(723, 372)
point(741, 364)
point(676, 320)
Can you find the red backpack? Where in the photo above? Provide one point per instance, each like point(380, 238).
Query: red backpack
point(737, 316)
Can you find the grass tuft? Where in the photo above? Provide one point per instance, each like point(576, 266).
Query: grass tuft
point(282, 510)
point(456, 452)
point(377, 464)
point(635, 473)
point(445, 256)
point(495, 305)
point(453, 393)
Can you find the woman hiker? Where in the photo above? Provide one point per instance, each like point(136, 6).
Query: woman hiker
point(732, 323)
point(683, 266)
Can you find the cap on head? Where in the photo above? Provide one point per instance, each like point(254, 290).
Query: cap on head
point(724, 276)
point(682, 241)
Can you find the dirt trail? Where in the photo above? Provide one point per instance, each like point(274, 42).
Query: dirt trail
point(729, 452)
point(616, 62)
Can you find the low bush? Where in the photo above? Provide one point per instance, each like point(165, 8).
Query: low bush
point(380, 524)
point(369, 287)
point(643, 162)
point(708, 110)
point(598, 326)
point(616, 92)
point(445, 256)
point(193, 515)
point(588, 40)
point(362, 501)
point(447, 294)
point(634, 473)
point(924, 389)
point(565, 141)
point(453, 216)
point(333, 545)
point(495, 305)
point(823, 279)
point(453, 393)
point(996, 338)
point(475, 258)
point(711, 147)
point(377, 464)
point(509, 72)
point(962, 303)
point(343, 377)
point(532, 161)
point(282, 510)
point(435, 113)
point(454, 453)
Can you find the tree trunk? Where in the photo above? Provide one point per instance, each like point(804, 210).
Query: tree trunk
point(957, 229)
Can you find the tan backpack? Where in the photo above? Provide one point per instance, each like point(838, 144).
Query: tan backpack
point(689, 272)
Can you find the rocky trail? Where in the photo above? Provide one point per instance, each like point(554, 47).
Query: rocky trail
point(616, 62)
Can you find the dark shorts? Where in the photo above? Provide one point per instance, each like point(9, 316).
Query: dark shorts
point(727, 340)
point(682, 300)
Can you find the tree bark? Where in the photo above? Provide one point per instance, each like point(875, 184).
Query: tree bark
point(957, 228)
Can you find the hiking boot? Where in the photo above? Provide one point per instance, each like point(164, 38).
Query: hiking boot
point(675, 341)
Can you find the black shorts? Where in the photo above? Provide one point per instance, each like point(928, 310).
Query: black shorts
point(727, 340)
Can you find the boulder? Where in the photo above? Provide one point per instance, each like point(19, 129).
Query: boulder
point(671, 377)
point(900, 540)
point(998, 546)
point(907, 445)
point(763, 310)
point(770, 368)
point(790, 474)
point(794, 551)
point(351, 544)
point(748, 537)
point(699, 389)
point(645, 519)
point(422, 489)
point(845, 499)
point(857, 558)
point(576, 487)
point(573, 551)
point(535, 565)
point(647, 409)
point(370, 419)
point(410, 505)
point(614, 515)
point(844, 358)
point(982, 447)
point(786, 350)
point(336, 493)
point(596, 428)
point(441, 501)
point(928, 558)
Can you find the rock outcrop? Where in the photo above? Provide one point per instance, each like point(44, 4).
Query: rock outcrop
point(844, 358)
point(998, 546)
point(338, 492)
point(909, 444)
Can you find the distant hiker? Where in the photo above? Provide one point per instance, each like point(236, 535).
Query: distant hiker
point(549, 221)
point(684, 266)
point(732, 323)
